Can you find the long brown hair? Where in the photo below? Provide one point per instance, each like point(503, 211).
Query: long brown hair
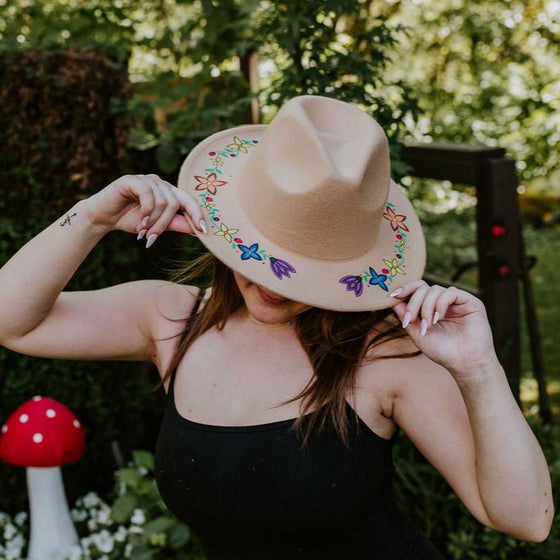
point(335, 343)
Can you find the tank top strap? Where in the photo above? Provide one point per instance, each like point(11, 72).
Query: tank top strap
point(185, 333)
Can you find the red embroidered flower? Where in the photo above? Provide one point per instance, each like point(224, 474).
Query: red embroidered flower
point(208, 183)
point(397, 220)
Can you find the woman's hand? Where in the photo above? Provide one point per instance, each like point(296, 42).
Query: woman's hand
point(146, 205)
point(449, 325)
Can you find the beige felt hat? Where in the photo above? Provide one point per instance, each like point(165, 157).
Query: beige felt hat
point(306, 207)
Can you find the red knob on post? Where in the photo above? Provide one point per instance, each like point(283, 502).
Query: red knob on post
point(504, 271)
point(498, 231)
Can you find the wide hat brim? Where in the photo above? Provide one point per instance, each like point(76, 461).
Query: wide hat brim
point(210, 173)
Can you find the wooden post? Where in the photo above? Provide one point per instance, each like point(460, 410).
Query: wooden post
point(498, 260)
point(494, 177)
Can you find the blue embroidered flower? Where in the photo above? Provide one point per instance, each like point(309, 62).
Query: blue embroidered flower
point(281, 268)
point(353, 284)
point(250, 252)
point(377, 279)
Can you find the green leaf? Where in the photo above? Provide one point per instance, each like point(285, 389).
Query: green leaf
point(143, 458)
point(167, 157)
point(179, 535)
point(158, 525)
point(131, 477)
point(142, 553)
point(123, 507)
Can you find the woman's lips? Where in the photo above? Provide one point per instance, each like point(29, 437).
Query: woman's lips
point(270, 300)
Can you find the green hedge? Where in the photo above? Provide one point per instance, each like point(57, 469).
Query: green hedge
point(64, 136)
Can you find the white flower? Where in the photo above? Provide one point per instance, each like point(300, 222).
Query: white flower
point(128, 550)
point(120, 535)
point(136, 529)
point(79, 514)
point(92, 525)
point(14, 549)
point(104, 517)
point(103, 541)
point(91, 499)
point(20, 518)
point(9, 531)
point(143, 471)
point(138, 517)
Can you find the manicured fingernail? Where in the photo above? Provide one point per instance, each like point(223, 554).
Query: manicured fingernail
point(406, 320)
point(423, 327)
point(396, 292)
point(203, 226)
point(145, 221)
point(141, 234)
point(151, 240)
point(436, 318)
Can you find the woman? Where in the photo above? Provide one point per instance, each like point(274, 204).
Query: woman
point(287, 385)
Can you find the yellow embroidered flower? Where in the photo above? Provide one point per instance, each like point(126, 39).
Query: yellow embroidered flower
point(226, 232)
point(238, 145)
point(402, 244)
point(393, 267)
point(217, 161)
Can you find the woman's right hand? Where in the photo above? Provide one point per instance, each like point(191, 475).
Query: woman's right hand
point(146, 205)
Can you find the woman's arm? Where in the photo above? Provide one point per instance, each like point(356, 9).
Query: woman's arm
point(456, 405)
point(478, 439)
point(39, 319)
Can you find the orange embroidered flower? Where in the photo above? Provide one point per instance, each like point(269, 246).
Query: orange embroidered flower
point(208, 183)
point(397, 220)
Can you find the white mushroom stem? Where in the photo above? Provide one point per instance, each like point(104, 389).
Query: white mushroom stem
point(52, 532)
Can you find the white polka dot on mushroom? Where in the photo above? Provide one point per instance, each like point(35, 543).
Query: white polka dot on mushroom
point(23, 418)
point(51, 413)
point(37, 397)
point(76, 423)
point(4, 429)
point(37, 438)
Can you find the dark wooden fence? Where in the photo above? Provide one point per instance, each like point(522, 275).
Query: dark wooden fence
point(498, 233)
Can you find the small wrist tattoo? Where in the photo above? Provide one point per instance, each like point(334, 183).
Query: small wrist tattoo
point(67, 220)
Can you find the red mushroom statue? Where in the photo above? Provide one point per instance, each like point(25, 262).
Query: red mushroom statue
point(42, 434)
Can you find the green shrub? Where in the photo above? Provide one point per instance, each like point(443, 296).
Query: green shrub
point(64, 136)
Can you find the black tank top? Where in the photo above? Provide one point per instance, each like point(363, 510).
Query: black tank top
point(252, 492)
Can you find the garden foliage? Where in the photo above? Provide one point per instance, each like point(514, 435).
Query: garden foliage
point(64, 136)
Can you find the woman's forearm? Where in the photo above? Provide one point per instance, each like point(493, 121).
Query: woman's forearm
point(512, 474)
point(33, 278)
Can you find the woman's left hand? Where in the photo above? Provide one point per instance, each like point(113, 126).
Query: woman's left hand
point(461, 338)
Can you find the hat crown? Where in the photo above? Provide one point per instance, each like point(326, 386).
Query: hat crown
point(319, 179)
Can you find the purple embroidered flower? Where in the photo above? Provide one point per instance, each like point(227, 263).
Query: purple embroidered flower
point(281, 268)
point(378, 279)
point(250, 252)
point(353, 284)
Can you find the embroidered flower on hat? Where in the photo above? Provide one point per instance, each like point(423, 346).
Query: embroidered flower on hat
point(397, 220)
point(281, 268)
point(248, 252)
point(208, 183)
point(377, 279)
point(226, 233)
point(251, 252)
point(393, 266)
point(238, 144)
point(353, 284)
